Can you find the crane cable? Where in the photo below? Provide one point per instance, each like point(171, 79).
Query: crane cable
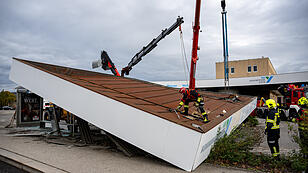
point(183, 53)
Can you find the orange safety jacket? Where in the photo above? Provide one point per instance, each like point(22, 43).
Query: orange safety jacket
point(190, 94)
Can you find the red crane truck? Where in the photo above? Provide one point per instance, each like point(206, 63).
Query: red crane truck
point(288, 102)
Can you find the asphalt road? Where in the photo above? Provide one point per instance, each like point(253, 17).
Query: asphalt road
point(5, 117)
point(6, 168)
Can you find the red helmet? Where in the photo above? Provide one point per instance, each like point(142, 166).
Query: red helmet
point(182, 90)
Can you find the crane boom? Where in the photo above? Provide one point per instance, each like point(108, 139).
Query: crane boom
point(145, 50)
point(225, 42)
point(194, 54)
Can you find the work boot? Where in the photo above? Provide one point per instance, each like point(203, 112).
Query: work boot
point(185, 112)
point(205, 117)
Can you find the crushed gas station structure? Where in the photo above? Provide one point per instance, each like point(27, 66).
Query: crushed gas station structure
point(136, 111)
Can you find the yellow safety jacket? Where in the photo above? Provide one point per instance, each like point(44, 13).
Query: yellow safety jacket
point(272, 120)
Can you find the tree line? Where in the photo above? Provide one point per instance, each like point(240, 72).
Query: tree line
point(7, 98)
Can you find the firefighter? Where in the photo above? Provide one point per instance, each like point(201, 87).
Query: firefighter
point(303, 102)
point(302, 120)
point(272, 128)
point(191, 95)
point(278, 109)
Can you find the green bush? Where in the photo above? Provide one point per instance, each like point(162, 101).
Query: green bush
point(251, 121)
point(233, 150)
point(298, 163)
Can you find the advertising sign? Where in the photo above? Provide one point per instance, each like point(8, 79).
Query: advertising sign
point(29, 107)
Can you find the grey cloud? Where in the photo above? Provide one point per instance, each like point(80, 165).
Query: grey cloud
point(72, 33)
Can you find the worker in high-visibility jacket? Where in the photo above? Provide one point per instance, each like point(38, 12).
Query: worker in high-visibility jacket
point(302, 120)
point(272, 129)
point(278, 109)
point(191, 95)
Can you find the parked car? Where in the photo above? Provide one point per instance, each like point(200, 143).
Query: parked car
point(7, 108)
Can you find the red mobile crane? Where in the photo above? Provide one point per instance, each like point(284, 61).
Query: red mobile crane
point(106, 63)
point(194, 54)
point(289, 102)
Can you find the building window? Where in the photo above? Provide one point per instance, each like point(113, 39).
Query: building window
point(255, 68)
point(249, 68)
point(232, 70)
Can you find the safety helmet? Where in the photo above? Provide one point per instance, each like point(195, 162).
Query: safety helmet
point(302, 101)
point(182, 90)
point(271, 104)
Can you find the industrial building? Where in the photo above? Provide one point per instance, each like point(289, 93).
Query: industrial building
point(246, 68)
point(262, 86)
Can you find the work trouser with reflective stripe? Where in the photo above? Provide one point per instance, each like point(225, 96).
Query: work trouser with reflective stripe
point(203, 113)
point(186, 108)
point(200, 106)
point(273, 136)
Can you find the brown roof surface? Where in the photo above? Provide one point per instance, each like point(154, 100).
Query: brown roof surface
point(152, 98)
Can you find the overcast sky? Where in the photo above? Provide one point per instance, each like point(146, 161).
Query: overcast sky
point(73, 32)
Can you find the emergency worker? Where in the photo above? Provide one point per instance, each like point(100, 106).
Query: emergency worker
point(303, 102)
point(272, 129)
point(278, 110)
point(302, 120)
point(191, 95)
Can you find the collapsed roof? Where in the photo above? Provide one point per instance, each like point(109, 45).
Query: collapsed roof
point(134, 110)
